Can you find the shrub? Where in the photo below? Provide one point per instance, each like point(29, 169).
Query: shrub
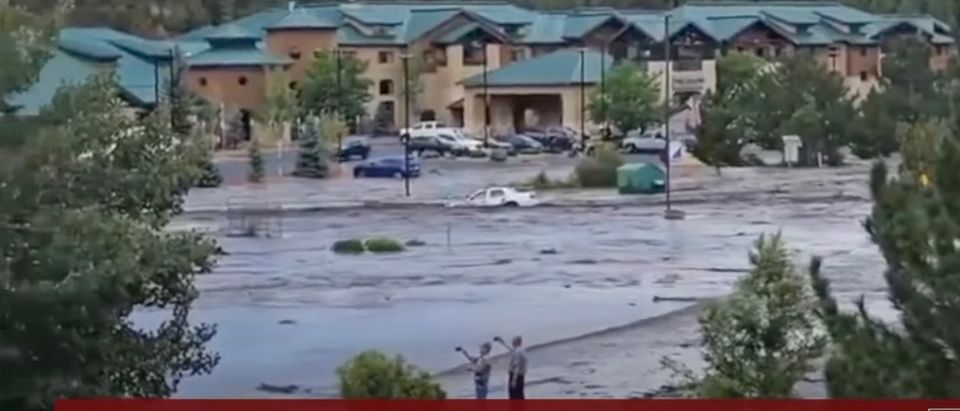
point(599, 170)
point(351, 246)
point(383, 245)
point(373, 375)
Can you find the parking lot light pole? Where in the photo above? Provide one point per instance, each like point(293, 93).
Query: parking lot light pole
point(670, 213)
point(583, 98)
point(406, 124)
point(339, 107)
point(486, 99)
point(603, 92)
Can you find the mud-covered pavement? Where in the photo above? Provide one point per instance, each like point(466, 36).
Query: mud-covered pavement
point(290, 311)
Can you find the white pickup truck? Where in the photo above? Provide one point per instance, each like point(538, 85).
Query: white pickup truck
point(429, 128)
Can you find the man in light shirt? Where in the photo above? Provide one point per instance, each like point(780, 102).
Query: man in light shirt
point(518, 367)
point(481, 367)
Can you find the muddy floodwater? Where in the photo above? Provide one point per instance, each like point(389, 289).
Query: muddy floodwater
point(289, 310)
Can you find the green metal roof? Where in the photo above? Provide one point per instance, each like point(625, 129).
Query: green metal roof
point(231, 32)
point(559, 68)
point(142, 66)
point(63, 69)
point(405, 22)
point(220, 57)
point(301, 18)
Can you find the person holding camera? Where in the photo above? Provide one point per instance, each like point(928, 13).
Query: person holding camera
point(480, 365)
point(518, 367)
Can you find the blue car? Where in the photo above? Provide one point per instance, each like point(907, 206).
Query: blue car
point(387, 167)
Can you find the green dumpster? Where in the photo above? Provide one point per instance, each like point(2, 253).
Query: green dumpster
point(640, 178)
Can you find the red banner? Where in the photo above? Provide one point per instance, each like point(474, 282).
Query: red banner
point(504, 405)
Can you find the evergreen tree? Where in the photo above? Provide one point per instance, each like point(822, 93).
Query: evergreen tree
point(183, 105)
point(760, 341)
point(82, 227)
point(916, 224)
point(312, 161)
point(257, 168)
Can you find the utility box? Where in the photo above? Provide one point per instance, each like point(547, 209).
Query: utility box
point(791, 149)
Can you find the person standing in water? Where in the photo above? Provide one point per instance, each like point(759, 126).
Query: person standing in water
point(480, 365)
point(518, 367)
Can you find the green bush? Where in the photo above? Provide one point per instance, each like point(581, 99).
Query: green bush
point(383, 245)
point(599, 170)
point(351, 246)
point(373, 375)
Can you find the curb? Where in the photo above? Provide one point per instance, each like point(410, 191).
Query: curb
point(254, 209)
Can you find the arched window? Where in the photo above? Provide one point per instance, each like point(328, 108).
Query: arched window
point(203, 81)
point(242, 81)
point(386, 87)
point(295, 53)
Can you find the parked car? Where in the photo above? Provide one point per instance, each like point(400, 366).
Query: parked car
point(387, 167)
point(525, 145)
point(494, 144)
point(647, 143)
point(355, 146)
point(421, 144)
point(502, 197)
point(428, 128)
point(554, 139)
point(459, 144)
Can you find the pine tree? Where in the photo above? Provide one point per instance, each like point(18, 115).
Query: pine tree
point(916, 224)
point(312, 159)
point(182, 105)
point(257, 171)
point(760, 341)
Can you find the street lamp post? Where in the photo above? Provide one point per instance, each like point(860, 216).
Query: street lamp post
point(583, 98)
point(486, 99)
point(671, 213)
point(339, 107)
point(406, 124)
point(603, 92)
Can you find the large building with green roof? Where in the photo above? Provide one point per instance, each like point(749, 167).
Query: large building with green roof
point(533, 58)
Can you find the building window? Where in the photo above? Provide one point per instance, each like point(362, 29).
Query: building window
point(292, 85)
point(517, 54)
point(386, 87)
point(739, 49)
point(777, 52)
point(760, 51)
point(939, 50)
point(385, 57)
point(863, 76)
point(863, 51)
point(242, 81)
point(473, 54)
point(295, 53)
point(203, 81)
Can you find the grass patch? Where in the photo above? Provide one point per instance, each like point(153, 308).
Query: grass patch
point(351, 246)
point(384, 245)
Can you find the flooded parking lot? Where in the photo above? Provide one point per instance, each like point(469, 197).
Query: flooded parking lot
point(290, 311)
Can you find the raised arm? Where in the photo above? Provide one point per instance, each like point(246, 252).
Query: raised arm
point(470, 358)
point(503, 343)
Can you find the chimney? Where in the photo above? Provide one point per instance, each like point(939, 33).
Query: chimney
point(291, 5)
